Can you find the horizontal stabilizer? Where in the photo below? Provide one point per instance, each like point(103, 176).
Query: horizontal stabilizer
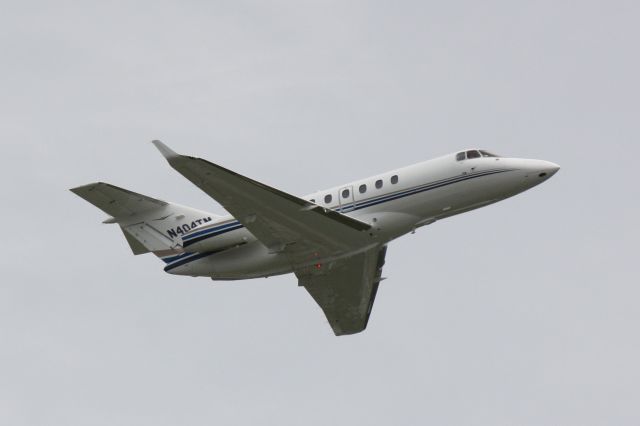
point(148, 224)
point(115, 201)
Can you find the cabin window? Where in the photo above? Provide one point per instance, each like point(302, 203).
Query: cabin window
point(312, 200)
point(460, 156)
point(345, 193)
point(363, 188)
point(473, 154)
point(394, 179)
point(327, 198)
point(379, 183)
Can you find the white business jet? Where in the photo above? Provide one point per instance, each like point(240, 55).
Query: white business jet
point(334, 241)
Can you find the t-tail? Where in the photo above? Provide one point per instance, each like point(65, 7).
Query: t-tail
point(148, 224)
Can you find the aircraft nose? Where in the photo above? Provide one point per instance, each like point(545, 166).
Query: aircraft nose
point(546, 169)
point(537, 171)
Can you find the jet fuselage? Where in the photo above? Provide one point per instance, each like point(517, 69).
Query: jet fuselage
point(393, 203)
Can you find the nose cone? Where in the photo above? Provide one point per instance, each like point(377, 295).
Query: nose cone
point(546, 169)
point(537, 171)
point(527, 173)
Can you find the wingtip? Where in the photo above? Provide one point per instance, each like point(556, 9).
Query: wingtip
point(82, 188)
point(167, 152)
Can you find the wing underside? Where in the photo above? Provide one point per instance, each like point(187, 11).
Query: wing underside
point(334, 256)
point(282, 222)
point(347, 292)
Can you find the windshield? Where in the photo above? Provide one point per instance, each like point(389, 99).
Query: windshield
point(473, 153)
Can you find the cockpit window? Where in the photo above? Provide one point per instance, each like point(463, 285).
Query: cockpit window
point(473, 154)
point(487, 154)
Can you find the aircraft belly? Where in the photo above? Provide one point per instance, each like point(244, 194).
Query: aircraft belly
point(222, 239)
point(251, 260)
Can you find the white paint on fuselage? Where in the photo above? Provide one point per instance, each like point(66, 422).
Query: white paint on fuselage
point(425, 192)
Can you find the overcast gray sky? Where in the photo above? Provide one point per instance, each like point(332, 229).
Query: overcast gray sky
point(525, 312)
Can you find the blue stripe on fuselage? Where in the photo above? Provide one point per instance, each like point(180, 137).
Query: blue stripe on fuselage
point(187, 259)
point(174, 258)
point(209, 230)
point(227, 227)
point(212, 233)
point(422, 188)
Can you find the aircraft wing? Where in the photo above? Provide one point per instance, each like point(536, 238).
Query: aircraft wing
point(346, 293)
point(282, 222)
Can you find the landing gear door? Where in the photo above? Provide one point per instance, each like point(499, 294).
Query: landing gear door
point(347, 202)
